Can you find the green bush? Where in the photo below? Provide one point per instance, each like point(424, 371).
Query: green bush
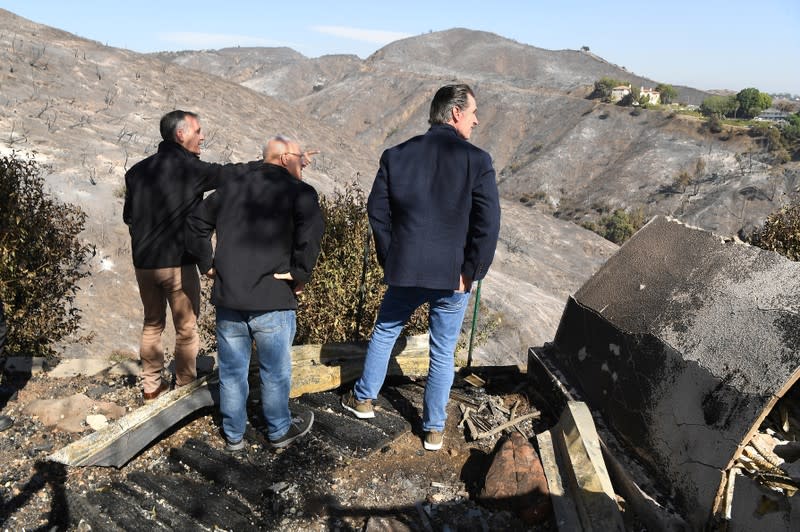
point(340, 302)
point(617, 226)
point(780, 232)
point(41, 259)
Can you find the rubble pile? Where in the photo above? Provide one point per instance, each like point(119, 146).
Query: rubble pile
point(772, 456)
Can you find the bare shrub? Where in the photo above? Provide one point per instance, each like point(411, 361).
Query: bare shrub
point(780, 232)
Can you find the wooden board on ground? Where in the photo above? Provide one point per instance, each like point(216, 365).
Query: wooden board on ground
point(315, 368)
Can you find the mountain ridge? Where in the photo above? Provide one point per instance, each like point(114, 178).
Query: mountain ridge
point(90, 111)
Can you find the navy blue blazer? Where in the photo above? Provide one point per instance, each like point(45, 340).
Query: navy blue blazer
point(434, 211)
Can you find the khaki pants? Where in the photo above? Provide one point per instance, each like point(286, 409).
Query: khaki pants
point(180, 288)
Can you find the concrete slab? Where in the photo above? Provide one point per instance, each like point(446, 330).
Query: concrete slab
point(73, 367)
point(684, 342)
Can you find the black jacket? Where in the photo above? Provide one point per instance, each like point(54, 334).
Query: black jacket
point(160, 191)
point(434, 211)
point(267, 222)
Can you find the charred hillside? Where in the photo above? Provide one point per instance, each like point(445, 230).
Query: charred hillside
point(88, 112)
point(549, 141)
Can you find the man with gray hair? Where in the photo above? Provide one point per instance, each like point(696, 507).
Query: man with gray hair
point(269, 229)
point(435, 214)
point(160, 191)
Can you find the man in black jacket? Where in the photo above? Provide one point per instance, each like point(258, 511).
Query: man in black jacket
point(160, 192)
point(435, 214)
point(269, 228)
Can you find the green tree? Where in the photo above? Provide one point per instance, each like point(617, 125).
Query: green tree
point(41, 259)
point(666, 93)
point(603, 86)
point(719, 106)
point(752, 101)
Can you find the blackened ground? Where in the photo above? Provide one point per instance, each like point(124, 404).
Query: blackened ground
point(345, 473)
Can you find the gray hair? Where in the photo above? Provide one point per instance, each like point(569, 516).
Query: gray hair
point(172, 122)
point(446, 99)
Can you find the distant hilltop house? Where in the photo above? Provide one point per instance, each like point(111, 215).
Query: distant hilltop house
point(773, 115)
point(621, 91)
point(653, 96)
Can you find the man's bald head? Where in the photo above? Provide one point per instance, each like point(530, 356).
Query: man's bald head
point(285, 152)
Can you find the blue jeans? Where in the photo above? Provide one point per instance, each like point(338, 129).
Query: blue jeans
point(446, 314)
point(273, 333)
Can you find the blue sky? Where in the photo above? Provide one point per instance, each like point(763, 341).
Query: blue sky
point(706, 44)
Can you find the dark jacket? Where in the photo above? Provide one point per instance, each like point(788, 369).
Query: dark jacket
point(434, 211)
point(160, 191)
point(267, 222)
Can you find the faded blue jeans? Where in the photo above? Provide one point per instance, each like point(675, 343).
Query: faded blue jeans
point(273, 333)
point(447, 309)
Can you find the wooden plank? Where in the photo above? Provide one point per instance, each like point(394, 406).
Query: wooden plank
point(123, 438)
point(315, 368)
point(578, 447)
point(563, 506)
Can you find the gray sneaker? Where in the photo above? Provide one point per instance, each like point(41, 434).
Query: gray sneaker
point(361, 409)
point(234, 446)
point(433, 440)
point(299, 427)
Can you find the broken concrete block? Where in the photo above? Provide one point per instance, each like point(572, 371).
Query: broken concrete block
point(683, 343)
point(515, 481)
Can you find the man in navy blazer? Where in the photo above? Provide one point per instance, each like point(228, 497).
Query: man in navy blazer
point(435, 214)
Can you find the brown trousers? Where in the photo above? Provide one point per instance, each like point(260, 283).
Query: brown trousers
point(180, 288)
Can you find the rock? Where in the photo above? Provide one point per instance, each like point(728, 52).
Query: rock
point(69, 413)
point(516, 481)
point(97, 421)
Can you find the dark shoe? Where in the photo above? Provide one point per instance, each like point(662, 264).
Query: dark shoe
point(5, 423)
point(361, 409)
point(149, 397)
point(433, 440)
point(299, 427)
point(234, 446)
